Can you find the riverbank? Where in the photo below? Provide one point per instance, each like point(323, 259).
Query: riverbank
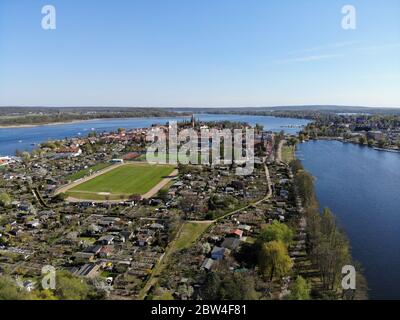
point(84, 120)
point(319, 220)
point(42, 124)
point(361, 186)
point(340, 139)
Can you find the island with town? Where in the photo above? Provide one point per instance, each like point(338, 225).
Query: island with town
point(112, 225)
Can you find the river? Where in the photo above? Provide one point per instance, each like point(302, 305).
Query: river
point(24, 138)
point(361, 186)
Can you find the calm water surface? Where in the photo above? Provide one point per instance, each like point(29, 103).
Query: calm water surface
point(361, 186)
point(12, 139)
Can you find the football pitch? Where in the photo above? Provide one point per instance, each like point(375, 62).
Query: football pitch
point(122, 182)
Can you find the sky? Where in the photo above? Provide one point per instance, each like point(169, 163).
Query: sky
point(199, 53)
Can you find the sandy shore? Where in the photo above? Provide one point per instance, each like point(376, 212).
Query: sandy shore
point(87, 120)
point(42, 124)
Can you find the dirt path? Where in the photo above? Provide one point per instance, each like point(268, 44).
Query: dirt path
point(279, 151)
point(160, 185)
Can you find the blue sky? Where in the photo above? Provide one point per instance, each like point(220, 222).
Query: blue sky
point(211, 53)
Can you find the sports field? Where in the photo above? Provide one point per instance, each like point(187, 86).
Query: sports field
point(122, 182)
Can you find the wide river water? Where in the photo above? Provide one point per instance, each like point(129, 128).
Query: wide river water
point(361, 186)
point(12, 139)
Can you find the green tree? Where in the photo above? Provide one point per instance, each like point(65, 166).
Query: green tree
point(362, 140)
point(10, 291)
point(225, 285)
point(69, 287)
point(300, 290)
point(5, 199)
point(162, 194)
point(276, 231)
point(26, 156)
point(305, 186)
point(370, 143)
point(382, 143)
point(274, 260)
point(43, 295)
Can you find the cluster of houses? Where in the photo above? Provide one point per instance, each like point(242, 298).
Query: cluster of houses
point(203, 183)
point(121, 243)
point(220, 245)
point(4, 161)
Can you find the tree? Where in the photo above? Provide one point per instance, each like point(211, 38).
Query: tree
point(273, 259)
point(296, 165)
point(26, 156)
point(43, 295)
point(305, 186)
point(328, 247)
point(60, 197)
point(382, 143)
point(5, 199)
point(362, 140)
point(70, 287)
point(162, 194)
point(10, 291)
point(300, 290)
point(276, 231)
point(225, 285)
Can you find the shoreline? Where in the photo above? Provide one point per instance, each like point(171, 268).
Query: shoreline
point(320, 210)
point(41, 124)
point(354, 143)
point(17, 126)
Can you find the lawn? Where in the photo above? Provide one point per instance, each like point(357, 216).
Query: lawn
point(80, 174)
point(189, 234)
point(122, 181)
point(287, 153)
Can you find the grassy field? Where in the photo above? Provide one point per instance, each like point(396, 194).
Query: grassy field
point(85, 172)
point(189, 234)
point(287, 153)
point(121, 182)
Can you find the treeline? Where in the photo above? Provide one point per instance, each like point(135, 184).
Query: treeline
point(68, 287)
point(327, 245)
point(33, 116)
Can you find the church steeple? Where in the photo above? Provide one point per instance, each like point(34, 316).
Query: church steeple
point(193, 121)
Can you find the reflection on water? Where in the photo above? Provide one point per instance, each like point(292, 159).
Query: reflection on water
point(361, 186)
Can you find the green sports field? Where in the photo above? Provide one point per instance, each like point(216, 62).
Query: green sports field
point(122, 182)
